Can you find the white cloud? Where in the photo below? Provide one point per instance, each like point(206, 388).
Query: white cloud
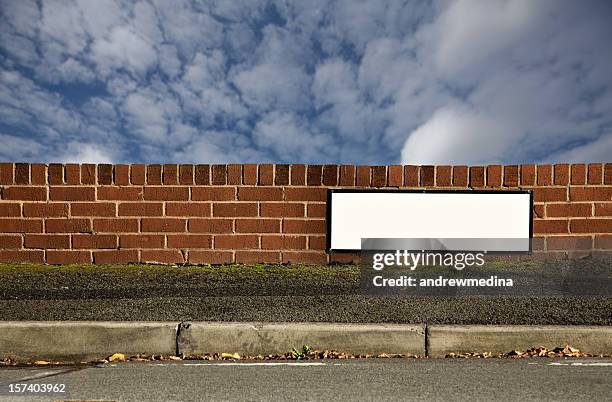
point(84, 153)
point(123, 48)
point(598, 150)
point(457, 135)
point(327, 81)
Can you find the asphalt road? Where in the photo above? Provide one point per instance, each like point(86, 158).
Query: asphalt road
point(373, 379)
point(311, 294)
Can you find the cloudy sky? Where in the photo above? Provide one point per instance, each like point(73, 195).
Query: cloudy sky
point(364, 82)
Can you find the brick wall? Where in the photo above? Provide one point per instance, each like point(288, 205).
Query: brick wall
point(201, 214)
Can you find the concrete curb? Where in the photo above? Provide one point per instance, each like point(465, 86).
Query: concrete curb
point(444, 339)
point(278, 338)
point(74, 341)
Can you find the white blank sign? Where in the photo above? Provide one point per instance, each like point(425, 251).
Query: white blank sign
point(358, 214)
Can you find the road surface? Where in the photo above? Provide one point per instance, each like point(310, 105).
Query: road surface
point(370, 379)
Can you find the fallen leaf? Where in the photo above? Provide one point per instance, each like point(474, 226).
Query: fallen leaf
point(116, 357)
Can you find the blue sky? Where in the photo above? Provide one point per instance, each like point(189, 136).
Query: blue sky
point(362, 82)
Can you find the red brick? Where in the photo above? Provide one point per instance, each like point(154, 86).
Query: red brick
point(210, 257)
point(460, 176)
point(105, 174)
point(154, 174)
point(603, 209)
point(122, 175)
point(170, 174)
point(162, 256)
point(22, 173)
point(249, 174)
point(528, 175)
point(189, 241)
point(73, 174)
point(186, 174)
point(608, 173)
point(280, 242)
point(89, 241)
point(258, 225)
point(93, 209)
point(344, 258)
point(304, 257)
point(595, 173)
point(538, 210)
point(537, 243)
point(72, 193)
point(10, 209)
point(591, 194)
point(573, 209)
point(45, 210)
point(10, 241)
point(443, 176)
point(305, 194)
point(116, 256)
point(260, 193)
point(46, 241)
point(281, 175)
point(298, 175)
point(562, 174)
point(255, 257)
point(234, 174)
point(427, 175)
point(266, 175)
point(6, 173)
point(379, 176)
point(88, 173)
point(314, 175)
point(603, 242)
point(56, 173)
point(141, 241)
point(70, 225)
point(115, 225)
point(362, 176)
point(569, 243)
point(210, 225)
point(411, 176)
point(511, 176)
point(304, 226)
point(330, 175)
point(550, 226)
point(213, 193)
point(38, 172)
point(166, 193)
point(236, 241)
point(25, 193)
point(494, 175)
point(233, 209)
point(141, 209)
point(477, 176)
point(347, 175)
point(163, 225)
point(33, 256)
point(57, 257)
point(281, 209)
point(219, 174)
point(202, 175)
point(578, 174)
point(317, 243)
point(19, 225)
point(546, 194)
point(188, 209)
point(120, 193)
point(316, 210)
point(396, 176)
point(591, 226)
point(138, 174)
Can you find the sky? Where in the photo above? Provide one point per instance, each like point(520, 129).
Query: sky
point(356, 82)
